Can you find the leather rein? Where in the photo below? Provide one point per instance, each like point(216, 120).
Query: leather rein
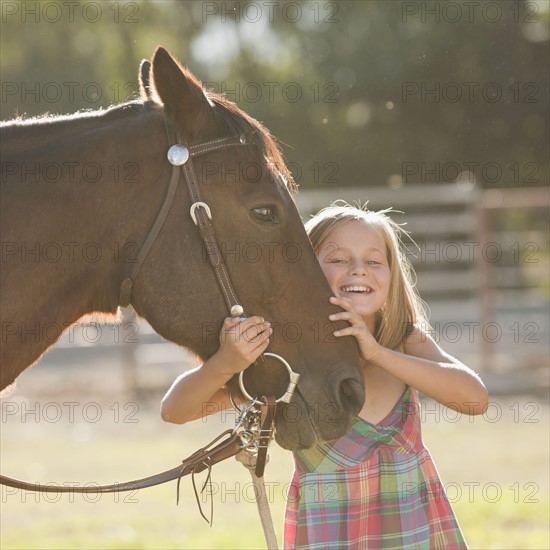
point(255, 425)
point(246, 435)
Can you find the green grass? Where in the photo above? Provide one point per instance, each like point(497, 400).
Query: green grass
point(476, 459)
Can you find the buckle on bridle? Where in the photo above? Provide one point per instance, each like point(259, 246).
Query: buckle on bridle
point(196, 205)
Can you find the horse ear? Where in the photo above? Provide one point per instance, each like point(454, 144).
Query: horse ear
point(144, 80)
point(180, 92)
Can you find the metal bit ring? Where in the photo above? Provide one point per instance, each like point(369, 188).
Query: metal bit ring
point(293, 376)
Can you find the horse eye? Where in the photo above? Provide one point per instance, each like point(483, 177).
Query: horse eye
point(264, 214)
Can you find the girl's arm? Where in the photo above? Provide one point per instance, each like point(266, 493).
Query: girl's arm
point(422, 365)
point(427, 368)
point(195, 393)
point(201, 391)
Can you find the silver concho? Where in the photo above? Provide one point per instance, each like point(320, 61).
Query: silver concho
point(236, 310)
point(178, 155)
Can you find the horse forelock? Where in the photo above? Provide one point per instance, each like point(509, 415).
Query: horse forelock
point(239, 122)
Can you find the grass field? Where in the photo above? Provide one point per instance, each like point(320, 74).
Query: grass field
point(495, 469)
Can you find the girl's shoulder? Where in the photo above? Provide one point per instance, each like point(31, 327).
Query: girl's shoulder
point(413, 336)
point(420, 343)
point(416, 335)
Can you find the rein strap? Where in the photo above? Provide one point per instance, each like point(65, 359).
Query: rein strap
point(200, 460)
point(266, 432)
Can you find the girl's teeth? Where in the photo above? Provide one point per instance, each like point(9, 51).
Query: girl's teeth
point(356, 289)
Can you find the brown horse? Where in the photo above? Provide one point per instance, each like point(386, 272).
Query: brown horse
point(79, 196)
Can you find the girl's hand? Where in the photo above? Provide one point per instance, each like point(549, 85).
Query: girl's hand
point(368, 345)
point(242, 342)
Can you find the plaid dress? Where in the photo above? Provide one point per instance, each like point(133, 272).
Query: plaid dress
point(375, 487)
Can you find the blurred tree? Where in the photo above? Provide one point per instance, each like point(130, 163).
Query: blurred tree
point(363, 92)
point(421, 88)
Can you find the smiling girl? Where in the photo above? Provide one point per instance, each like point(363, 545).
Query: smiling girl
point(377, 486)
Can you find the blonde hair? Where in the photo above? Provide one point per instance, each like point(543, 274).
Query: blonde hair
point(404, 309)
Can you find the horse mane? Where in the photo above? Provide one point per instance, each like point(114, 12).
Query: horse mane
point(237, 121)
point(23, 134)
point(112, 112)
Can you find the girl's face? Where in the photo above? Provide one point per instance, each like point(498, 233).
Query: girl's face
point(354, 260)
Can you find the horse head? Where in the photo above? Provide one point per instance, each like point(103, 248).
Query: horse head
point(165, 271)
point(269, 259)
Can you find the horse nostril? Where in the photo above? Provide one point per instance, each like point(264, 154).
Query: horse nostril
point(351, 396)
point(345, 389)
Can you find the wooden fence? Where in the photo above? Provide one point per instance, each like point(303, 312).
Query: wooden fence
point(486, 283)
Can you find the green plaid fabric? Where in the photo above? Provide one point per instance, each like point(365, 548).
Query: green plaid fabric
point(375, 487)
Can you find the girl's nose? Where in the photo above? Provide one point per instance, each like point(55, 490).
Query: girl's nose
point(358, 268)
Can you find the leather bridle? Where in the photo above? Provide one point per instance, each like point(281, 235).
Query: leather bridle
point(180, 157)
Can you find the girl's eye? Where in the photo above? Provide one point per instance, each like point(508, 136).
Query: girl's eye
point(372, 262)
point(264, 214)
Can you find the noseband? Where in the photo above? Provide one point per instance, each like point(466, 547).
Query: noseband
point(180, 157)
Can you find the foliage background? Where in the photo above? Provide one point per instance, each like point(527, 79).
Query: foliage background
point(350, 59)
